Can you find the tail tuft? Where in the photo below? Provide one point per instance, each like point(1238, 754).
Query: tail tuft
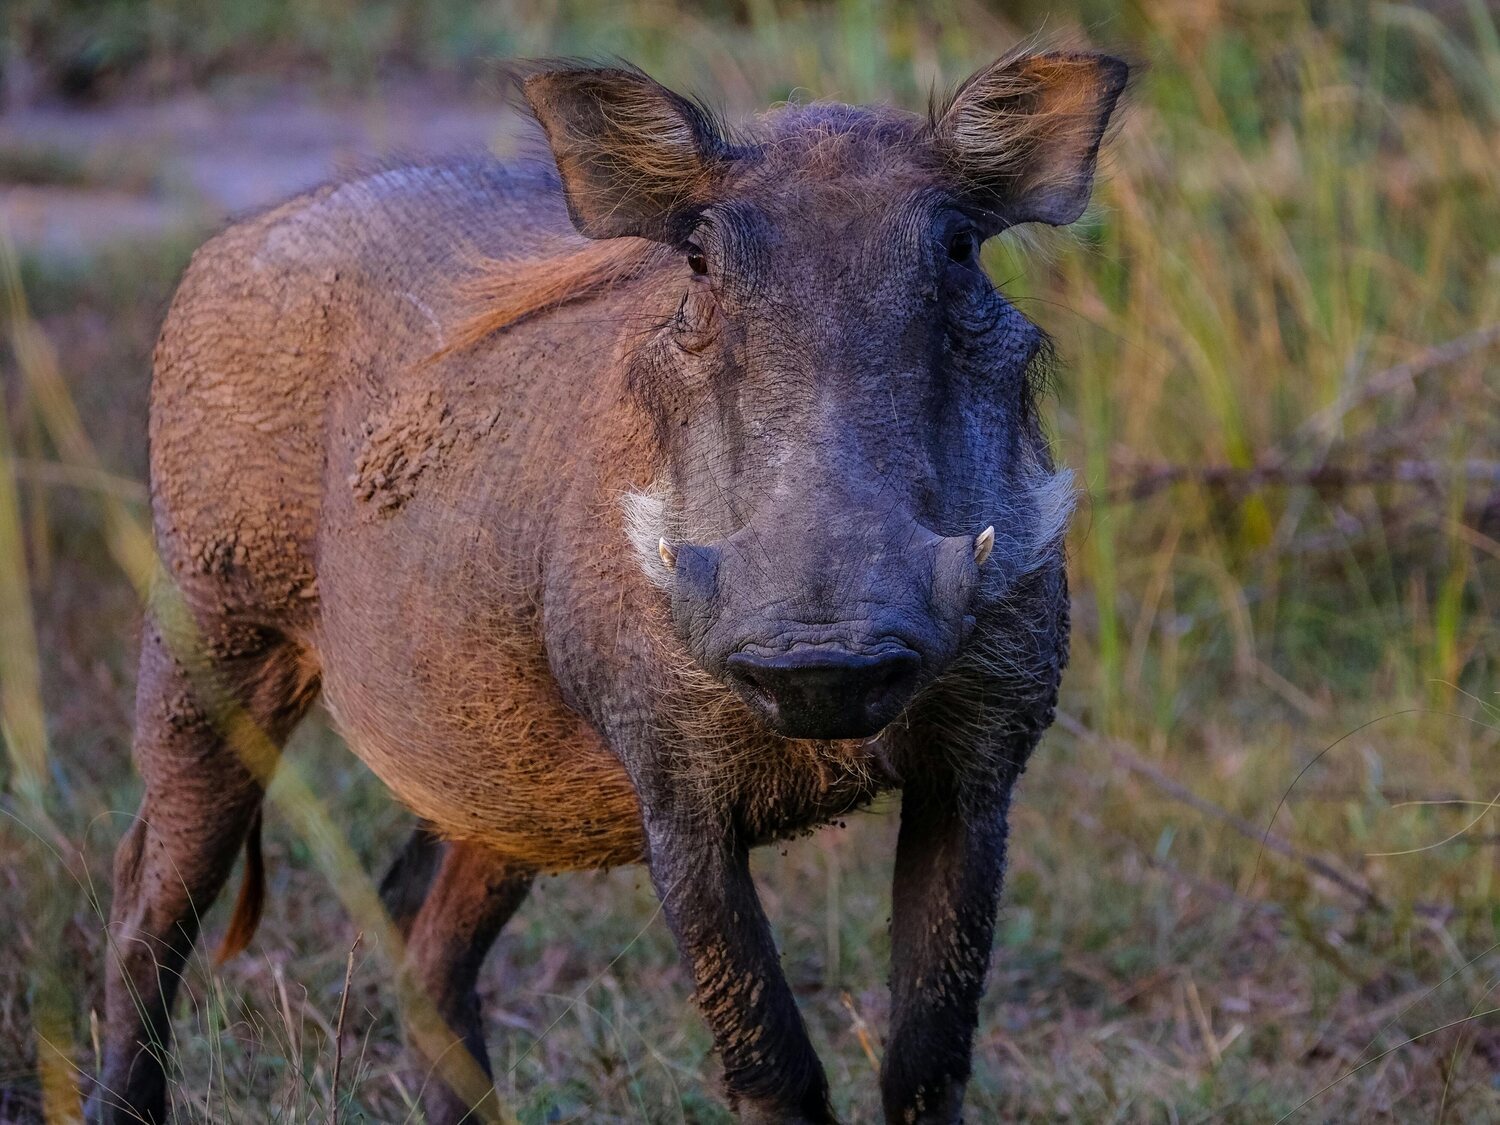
point(252, 899)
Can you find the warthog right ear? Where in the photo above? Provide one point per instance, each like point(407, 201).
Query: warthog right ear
point(635, 158)
point(1022, 135)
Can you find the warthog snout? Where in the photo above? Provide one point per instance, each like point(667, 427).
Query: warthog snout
point(824, 691)
point(827, 630)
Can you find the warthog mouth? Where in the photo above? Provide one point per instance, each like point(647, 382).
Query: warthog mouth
point(825, 691)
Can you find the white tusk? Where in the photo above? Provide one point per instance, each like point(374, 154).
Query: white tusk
point(668, 555)
point(984, 545)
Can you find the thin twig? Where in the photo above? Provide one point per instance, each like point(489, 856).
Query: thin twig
point(1394, 378)
point(1389, 1051)
point(1275, 472)
point(1130, 760)
point(1301, 460)
point(338, 1030)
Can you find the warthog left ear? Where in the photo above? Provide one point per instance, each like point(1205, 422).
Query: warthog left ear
point(635, 158)
point(1023, 134)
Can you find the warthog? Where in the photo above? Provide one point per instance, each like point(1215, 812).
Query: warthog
point(650, 536)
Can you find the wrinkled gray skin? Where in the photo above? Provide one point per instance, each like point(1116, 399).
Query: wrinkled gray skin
point(810, 393)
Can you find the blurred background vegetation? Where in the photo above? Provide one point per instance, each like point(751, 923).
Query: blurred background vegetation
point(1253, 871)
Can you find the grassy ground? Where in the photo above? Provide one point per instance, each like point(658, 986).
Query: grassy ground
point(1254, 867)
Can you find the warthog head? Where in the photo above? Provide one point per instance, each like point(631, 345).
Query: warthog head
point(843, 401)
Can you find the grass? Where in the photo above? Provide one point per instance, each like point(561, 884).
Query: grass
point(1292, 206)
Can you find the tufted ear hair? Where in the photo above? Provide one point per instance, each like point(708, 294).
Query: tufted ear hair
point(1022, 135)
point(634, 157)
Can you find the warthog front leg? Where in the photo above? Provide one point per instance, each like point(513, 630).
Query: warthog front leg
point(771, 1072)
point(950, 859)
point(466, 893)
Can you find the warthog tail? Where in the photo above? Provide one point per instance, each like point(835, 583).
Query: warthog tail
point(252, 898)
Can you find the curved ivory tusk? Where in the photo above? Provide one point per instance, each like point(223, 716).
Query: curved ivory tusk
point(668, 555)
point(984, 545)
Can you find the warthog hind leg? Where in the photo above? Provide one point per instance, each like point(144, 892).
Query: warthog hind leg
point(450, 900)
point(207, 734)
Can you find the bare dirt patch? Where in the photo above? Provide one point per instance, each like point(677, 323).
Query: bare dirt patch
point(210, 158)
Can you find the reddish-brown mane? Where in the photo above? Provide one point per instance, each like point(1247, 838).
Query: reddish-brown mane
point(504, 290)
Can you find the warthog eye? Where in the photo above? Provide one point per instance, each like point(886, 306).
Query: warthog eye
point(696, 261)
point(963, 247)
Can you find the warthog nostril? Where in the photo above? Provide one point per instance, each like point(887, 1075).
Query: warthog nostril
point(746, 680)
point(826, 692)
